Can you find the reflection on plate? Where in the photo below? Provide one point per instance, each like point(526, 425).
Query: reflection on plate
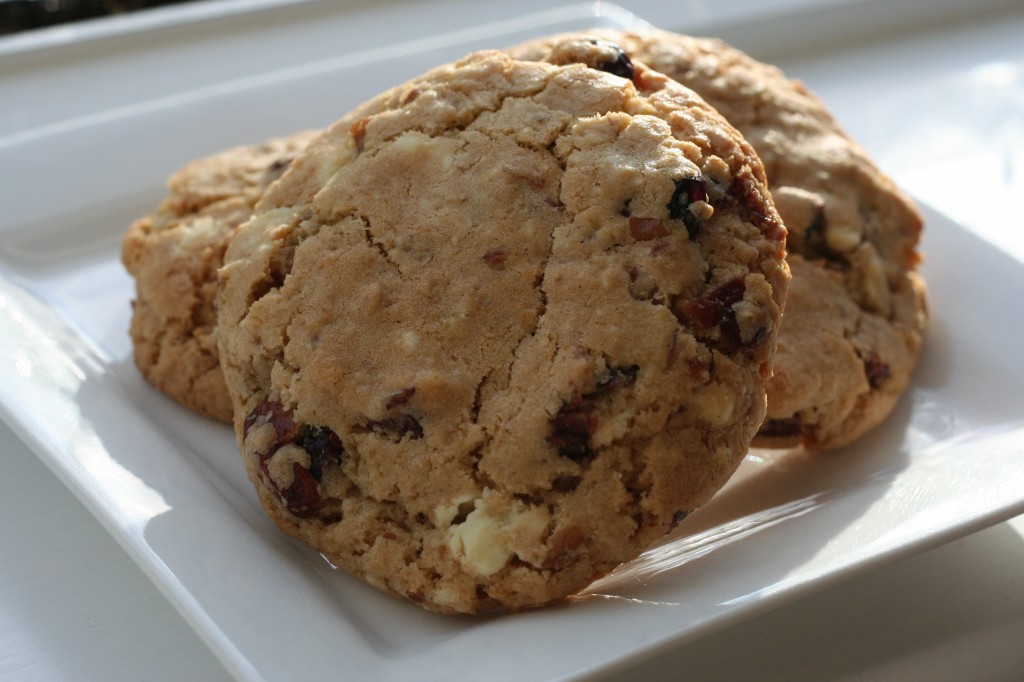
point(171, 488)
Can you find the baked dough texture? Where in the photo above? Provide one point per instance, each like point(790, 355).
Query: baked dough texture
point(500, 328)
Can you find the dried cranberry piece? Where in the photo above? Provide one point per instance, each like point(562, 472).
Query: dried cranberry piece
point(575, 423)
point(707, 312)
point(646, 229)
point(302, 498)
point(253, 417)
point(621, 65)
point(562, 545)
point(876, 370)
point(618, 376)
point(495, 259)
point(716, 305)
point(272, 412)
point(744, 196)
point(688, 191)
point(400, 426)
point(715, 309)
point(744, 190)
point(729, 340)
point(324, 448)
point(571, 431)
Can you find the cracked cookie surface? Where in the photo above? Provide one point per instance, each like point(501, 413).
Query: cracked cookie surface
point(855, 314)
point(174, 253)
point(500, 328)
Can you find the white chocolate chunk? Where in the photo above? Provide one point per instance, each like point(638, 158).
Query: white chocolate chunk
point(701, 210)
point(445, 513)
point(479, 542)
point(410, 339)
point(871, 287)
point(198, 230)
point(715, 405)
point(445, 597)
point(843, 238)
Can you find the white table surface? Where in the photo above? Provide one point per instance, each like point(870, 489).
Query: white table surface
point(934, 90)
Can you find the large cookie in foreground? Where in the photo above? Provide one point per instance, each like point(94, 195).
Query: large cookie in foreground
point(855, 313)
point(174, 253)
point(502, 327)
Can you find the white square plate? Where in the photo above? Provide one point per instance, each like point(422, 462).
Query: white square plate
point(170, 487)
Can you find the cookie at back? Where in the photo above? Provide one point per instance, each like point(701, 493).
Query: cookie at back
point(173, 255)
point(500, 328)
point(856, 311)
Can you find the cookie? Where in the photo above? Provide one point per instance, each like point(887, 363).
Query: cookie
point(174, 253)
point(856, 313)
point(500, 328)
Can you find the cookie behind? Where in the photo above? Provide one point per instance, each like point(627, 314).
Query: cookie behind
point(173, 255)
point(856, 312)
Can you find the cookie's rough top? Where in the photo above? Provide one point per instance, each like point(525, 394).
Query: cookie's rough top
point(856, 313)
point(174, 253)
point(500, 328)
